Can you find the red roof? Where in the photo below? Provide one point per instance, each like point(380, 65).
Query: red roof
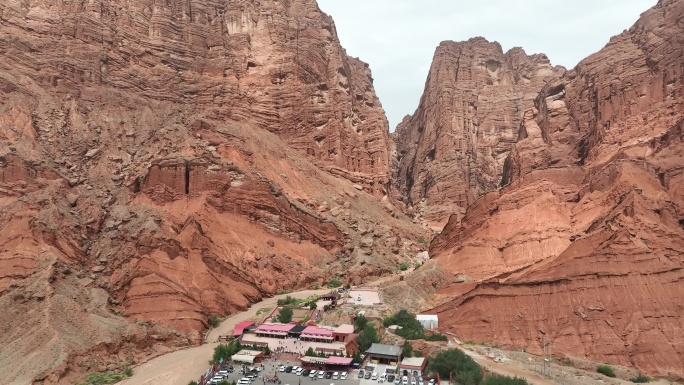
point(275, 327)
point(333, 360)
point(315, 330)
point(240, 328)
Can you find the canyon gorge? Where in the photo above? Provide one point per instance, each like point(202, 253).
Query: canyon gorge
point(165, 161)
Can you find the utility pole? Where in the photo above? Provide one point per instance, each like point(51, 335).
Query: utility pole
point(546, 365)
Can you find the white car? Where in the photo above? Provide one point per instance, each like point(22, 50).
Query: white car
point(336, 375)
point(420, 381)
point(432, 381)
point(343, 376)
point(313, 374)
point(404, 380)
point(321, 375)
point(374, 377)
point(383, 377)
point(299, 371)
point(281, 368)
point(397, 380)
point(244, 381)
point(413, 381)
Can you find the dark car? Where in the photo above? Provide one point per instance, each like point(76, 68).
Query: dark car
point(368, 375)
point(306, 372)
point(360, 373)
point(390, 378)
point(288, 369)
point(328, 375)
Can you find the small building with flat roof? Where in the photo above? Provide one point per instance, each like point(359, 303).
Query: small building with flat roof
point(341, 332)
point(412, 366)
point(248, 356)
point(384, 354)
point(429, 321)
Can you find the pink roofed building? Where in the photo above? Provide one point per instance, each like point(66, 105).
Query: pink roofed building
point(274, 330)
point(341, 332)
point(315, 333)
point(239, 329)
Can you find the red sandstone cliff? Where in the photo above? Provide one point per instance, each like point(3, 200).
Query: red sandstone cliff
point(453, 148)
point(584, 245)
point(162, 161)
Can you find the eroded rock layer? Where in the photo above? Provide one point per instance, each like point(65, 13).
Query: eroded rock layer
point(584, 247)
point(162, 161)
point(453, 148)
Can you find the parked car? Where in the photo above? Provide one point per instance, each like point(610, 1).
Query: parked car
point(397, 380)
point(413, 381)
point(251, 376)
point(244, 381)
point(374, 376)
point(432, 381)
point(368, 375)
point(361, 373)
point(305, 372)
point(288, 369)
point(321, 375)
point(328, 375)
point(420, 381)
point(282, 368)
point(299, 371)
point(336, 375)
point(404, 380)
point(390, 378)
point(383, 377)
point(313, 373)
point(343, 376)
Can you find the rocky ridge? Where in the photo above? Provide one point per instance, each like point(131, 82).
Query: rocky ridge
point(583, 246)
point(165, 161)
point(453, 148)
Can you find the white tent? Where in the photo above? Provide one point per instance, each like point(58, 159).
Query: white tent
point(243, 358)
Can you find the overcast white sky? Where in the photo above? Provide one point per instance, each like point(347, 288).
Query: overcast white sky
point(398, 37)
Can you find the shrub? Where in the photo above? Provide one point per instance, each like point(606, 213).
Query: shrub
point(128, 372)
point(310, 352)
point(606, 370)
point(214, 320)
point(641, 379)
point(285, 315)
point(407, 350)
point(465, 370)
point(334, 283)
point(192, 383)
point(496, 379)
point(404, 266)
point(417, 265)
point(436, 337)
point(103, 378)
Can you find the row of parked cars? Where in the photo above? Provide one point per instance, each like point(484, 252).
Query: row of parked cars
point(396, 379)
point(320, 374)
point(221, 375)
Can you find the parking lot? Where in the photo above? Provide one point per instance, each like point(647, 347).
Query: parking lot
point(291, 378)
point(364, 297)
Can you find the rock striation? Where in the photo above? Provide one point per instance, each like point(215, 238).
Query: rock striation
point(163, 161)
point(583, 245)
point(453, 148)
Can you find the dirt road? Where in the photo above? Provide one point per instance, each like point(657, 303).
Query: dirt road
point(183, 366)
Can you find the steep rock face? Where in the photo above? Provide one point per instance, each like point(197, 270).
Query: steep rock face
point(583, 247)
point(152, 173)
point(453, 148)
point(277, 65)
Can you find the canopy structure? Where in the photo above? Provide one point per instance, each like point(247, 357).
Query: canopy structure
point(274, 330)
point(240, 328)
point(243, 358)
point(334, 360)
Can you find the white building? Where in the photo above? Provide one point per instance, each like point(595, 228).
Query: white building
point(429, 321)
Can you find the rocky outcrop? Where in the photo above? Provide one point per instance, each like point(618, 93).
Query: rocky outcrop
point(583, 246)
point(164, 161)
point(453, 148)
point(275, 65)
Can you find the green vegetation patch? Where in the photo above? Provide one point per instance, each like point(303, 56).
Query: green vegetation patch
point(606, 370)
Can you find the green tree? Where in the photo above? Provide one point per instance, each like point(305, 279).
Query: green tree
point(225, 351)
point(356, 357)
point(367, 337)
point(285, 315)
point(465, 370)
point(334, 283)
point(410, 329)
point(360, 323)
point(192, 383)
point(267, 351)
point(310, 352)
point(606, 370)
point(407, 350)
point(214, 320)
point(641, 379)
point(496, 379)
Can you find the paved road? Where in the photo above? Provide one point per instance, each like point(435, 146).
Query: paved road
point(183, 366)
